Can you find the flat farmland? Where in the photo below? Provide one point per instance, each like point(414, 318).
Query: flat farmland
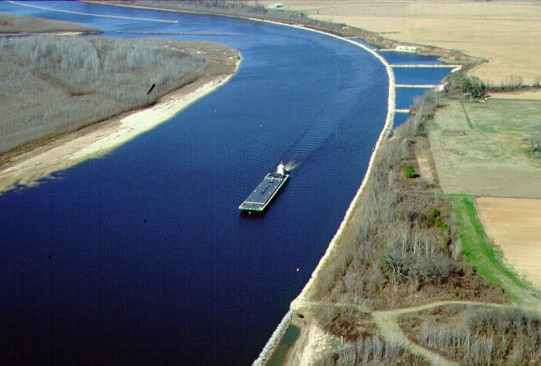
point(519, 95)
point(484, 149)
point(504, 32)
point(514, 225)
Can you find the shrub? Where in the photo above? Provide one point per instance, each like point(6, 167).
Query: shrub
point(437, 220)
point(469, 86)
point(424, 109)
point(488, 336)
point(535, 146)
point(409, 172)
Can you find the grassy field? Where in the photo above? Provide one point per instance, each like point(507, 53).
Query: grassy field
point(484, 149)
point(504, 32)
point(53, 85)
point(478, 250)
point(524, 95)
point(16, 24)
point(515, 226)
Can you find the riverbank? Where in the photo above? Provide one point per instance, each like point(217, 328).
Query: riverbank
point(54, 85)
point(344, 232)
point(15, 25)
point(63, 96)
point(378, 40)
point(99, 139)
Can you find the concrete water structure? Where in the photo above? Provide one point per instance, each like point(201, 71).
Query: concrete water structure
point(400, 48)
point(425, 66)
point(418, 86)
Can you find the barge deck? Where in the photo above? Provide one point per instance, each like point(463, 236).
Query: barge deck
point(264, 193)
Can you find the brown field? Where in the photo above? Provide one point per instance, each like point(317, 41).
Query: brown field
point(515, 226)
point(483, 149)
point(523, 95)
point(504, 32)
point(15, 24)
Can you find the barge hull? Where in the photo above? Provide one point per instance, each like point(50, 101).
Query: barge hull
point(264, 193)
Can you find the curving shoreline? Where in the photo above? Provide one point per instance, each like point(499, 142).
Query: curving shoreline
point(342, 234)
point(99, 139)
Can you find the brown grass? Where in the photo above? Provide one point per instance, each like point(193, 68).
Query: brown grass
point(478, 335)
point(26, 24)
point(515, 226)
point(53, 85)
point(484, 149)
point(504, 32)
point(521, 95)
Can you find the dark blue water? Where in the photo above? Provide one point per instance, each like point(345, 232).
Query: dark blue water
point(401, 118)
point(421, 75)
point(141, 257)
point(406, 97)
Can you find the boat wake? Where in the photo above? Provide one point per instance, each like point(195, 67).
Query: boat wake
point(291, 165)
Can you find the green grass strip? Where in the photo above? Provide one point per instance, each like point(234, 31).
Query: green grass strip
point(479, 252)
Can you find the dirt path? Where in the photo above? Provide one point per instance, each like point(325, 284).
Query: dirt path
point(389, 329)
point(387, 322)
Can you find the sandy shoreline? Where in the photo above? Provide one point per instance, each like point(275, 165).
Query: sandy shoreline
point(99, 139)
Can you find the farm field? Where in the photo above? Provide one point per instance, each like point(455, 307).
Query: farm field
point(520, 95)
point(514, 225)
point(484, 149)
point(506, 33)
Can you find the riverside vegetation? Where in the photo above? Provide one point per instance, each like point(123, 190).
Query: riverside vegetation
point(479, 336)
point(52, 85)
point(418, 254)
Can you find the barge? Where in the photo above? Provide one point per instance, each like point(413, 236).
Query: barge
point(266, 190)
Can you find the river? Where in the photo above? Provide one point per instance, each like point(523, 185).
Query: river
point(141, 257)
